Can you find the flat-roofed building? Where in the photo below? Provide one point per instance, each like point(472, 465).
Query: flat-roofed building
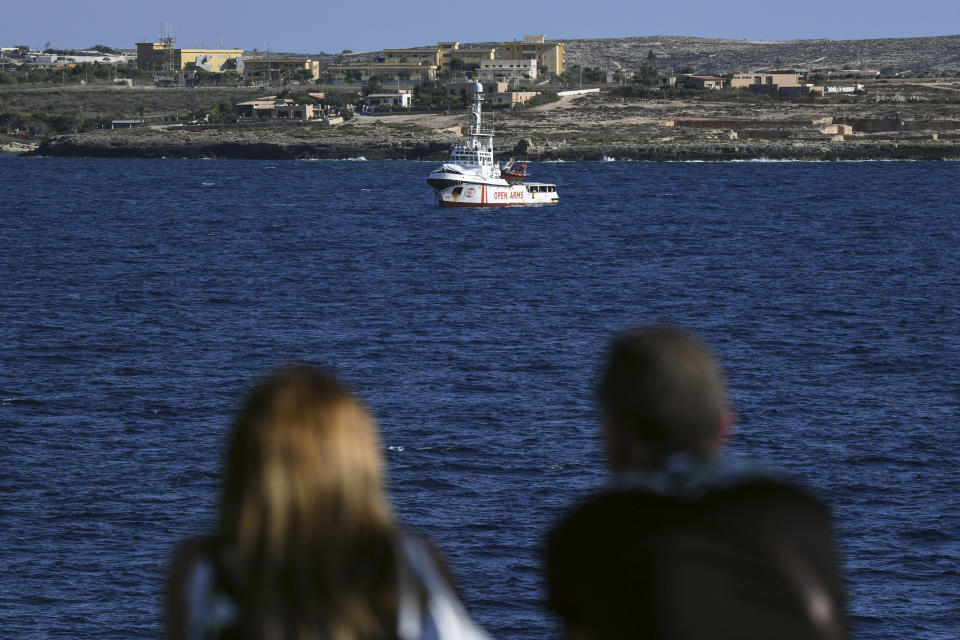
point(94, 56)
point(549, 55)
point(511, 98)
point(270, 108)
point(786, 84)
point(706, 82)
point(429, 56)
point(121, 124)
point(400, 99)
point(162, 56)
point(468, 56)
point(40, 58)
point(213, 60)
point(276, 68)
point(406, 72)
point(441, 56)
point(491, 70)
point(462, 89)
point(780, 79)
point(153, 56)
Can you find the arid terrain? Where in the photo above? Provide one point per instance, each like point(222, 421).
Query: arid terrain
point(912, 116)
point(906, 119)
point(711, 55)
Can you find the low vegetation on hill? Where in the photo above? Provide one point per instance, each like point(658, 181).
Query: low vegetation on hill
point(710, 55)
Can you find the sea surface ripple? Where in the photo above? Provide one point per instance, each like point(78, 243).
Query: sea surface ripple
point(143, 298)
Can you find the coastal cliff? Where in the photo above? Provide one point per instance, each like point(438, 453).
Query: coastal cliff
point(274, 144)
point(196, 145)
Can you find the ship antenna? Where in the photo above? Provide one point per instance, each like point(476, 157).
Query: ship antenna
point(477, 101)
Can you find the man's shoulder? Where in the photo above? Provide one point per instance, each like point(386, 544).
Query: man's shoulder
point(621, 501)
point(631, 555)
point(619, 518)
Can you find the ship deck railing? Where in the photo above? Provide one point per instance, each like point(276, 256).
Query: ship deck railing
point(480, 131)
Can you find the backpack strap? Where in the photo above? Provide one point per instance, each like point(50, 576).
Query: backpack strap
point(444, 617)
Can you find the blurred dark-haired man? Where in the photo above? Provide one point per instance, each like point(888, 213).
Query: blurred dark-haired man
point(685, 544)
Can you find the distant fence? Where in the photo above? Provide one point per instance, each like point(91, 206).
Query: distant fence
point(876, 125)
point(731, 123)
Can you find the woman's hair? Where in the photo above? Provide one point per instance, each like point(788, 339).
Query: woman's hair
point(304, 509)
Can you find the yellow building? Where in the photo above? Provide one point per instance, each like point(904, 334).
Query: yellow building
point(440, 56)
point(162, 56)
point(760, 78)
point(276, 68)
point(214, 60)
point(549, 55)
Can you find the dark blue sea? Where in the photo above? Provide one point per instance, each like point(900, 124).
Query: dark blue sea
point(142, 298)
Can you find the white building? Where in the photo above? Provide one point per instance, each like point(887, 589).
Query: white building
point(844, 89)
point(491, 70)
point(108, 58)
point(402, 99)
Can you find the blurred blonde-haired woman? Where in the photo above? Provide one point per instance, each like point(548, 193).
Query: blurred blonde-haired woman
point(307, 545)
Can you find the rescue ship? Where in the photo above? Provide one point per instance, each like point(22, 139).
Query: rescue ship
point(472, 179)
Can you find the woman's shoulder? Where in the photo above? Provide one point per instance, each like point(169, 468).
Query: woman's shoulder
point(428, 607)
point(192, 550)
point(198, 595)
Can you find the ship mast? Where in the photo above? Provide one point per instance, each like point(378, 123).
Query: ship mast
point(478, 134)
point(477, 102)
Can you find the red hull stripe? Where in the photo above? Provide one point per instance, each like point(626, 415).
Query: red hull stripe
point(482, 204)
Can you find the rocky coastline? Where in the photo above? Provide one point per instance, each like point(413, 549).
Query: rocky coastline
point(239, 146)
point(233, 145)
point(10, 146)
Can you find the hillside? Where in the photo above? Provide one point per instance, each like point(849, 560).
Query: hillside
point(709, 55)
point(892, 119)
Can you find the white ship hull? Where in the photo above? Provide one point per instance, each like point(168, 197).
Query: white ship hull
point(484, 194)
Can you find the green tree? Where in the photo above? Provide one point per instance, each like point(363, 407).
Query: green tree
point(131, 72)
point(375, 83)
point(545, 97)
point(459, 65)
point(302, 75)
point(648, 70)
point(231, 78)
point(223, 112)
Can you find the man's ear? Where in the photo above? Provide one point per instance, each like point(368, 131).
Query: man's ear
point(615, 445)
